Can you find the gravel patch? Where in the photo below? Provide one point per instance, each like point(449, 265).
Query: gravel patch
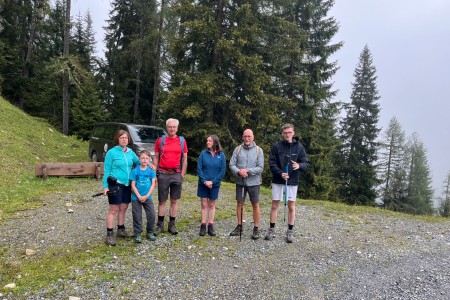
point(334, 256)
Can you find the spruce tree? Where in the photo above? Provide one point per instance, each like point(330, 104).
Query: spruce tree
point(219, 74)
point(315, 114)
point(359, 133)
point(420, 193)
point(130, 65)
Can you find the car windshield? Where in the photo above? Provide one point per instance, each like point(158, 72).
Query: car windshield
point(143, 134)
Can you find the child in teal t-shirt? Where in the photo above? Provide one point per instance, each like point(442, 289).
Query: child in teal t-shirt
point(143, 181)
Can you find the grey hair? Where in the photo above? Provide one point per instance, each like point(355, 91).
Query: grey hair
point(172, 120)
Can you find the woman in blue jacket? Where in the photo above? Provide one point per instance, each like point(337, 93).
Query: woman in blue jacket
point(210, 170)
point(119, 162)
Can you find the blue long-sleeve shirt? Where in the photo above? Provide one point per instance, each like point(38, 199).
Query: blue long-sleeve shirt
point(211, 167)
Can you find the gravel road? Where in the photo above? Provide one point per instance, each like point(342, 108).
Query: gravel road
point(336, 255)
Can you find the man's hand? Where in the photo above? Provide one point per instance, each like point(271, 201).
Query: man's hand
point(243, 173)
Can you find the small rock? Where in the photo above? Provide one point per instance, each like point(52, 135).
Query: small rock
point(70, 210)
point(89, 228)
point(235, 266)
point(10, 286)
point(74, 298)
point(69, 204)
point(29, 252)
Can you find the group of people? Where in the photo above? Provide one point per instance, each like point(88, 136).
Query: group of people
point(132, 179)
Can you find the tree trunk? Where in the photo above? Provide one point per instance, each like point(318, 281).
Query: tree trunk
point(66, 73)
point(157, 63)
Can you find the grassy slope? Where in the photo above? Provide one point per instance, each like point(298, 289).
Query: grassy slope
point(25, 142)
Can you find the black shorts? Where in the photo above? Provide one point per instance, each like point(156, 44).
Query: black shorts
point(119, 194)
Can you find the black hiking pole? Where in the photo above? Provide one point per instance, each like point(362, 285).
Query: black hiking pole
point(242, 208)
point(97, 195)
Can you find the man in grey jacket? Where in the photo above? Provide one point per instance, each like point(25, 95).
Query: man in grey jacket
point(247, 164)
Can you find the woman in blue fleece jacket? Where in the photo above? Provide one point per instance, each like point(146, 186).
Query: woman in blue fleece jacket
point(211, 168)
point(119, 162)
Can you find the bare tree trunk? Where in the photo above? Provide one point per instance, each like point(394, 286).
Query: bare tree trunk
point(66, 73)
point(137, 90)
point(158, 63)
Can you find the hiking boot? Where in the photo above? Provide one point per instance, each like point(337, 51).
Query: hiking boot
point(211, 230)
point(202, 230)
point(110, 239)
point(159, 228)
point(172, 228)
point(151, 236)
point(236, 231)
point(256, 234)
point(138, 239)
point(122, 233)
point(270, 234)
point(289, 236)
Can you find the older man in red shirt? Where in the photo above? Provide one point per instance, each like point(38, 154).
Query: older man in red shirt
point(170, 161)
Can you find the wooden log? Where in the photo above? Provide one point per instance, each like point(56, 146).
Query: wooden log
point(69, 169)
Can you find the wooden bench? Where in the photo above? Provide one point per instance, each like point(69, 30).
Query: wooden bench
point(70, 169)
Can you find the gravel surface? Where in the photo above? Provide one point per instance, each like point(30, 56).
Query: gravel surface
point(336, 255)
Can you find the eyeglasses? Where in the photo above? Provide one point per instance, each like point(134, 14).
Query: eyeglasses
point(123, 138)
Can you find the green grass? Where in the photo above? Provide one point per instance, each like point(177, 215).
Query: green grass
point(25, 142)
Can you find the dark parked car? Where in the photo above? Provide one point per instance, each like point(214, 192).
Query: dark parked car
point(102, 138)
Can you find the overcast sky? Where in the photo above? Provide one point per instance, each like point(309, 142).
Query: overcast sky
point(409, 42)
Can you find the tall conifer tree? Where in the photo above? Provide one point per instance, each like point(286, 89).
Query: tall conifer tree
point(420, 192)
point(392, 167)
point(315, 115)
point(130, 65)
point(359, 133)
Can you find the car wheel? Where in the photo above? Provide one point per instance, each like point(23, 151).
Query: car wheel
point(94, 157)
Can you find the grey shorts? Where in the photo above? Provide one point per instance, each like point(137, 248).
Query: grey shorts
point(169, 184)
point(252, 191)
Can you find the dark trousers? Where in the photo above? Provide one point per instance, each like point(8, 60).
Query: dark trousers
point(137, 216)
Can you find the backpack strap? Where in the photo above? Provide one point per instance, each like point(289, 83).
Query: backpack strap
point(240, 147)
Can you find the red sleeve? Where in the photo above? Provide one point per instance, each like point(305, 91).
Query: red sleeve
point(185, 146)
point(158, 141)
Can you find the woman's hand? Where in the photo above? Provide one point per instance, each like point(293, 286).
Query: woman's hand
point(105, 191)
point(209, 184)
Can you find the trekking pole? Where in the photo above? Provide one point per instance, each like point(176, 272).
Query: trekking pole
point(97, 195)
point(242, 208)
point(285, 192)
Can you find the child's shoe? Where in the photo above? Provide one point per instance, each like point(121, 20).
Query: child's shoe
point(151, 236)
point(138, 239)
